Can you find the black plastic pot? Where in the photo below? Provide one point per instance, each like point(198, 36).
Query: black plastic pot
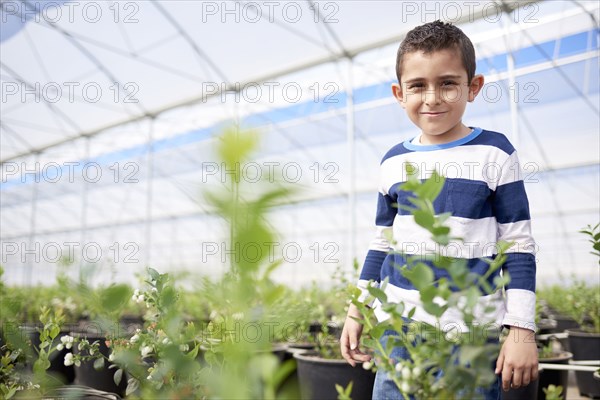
point(129, 323)
point(299, 347)
point(318, 376)
point(554, 377)
point(585, 346)
point(564, 322)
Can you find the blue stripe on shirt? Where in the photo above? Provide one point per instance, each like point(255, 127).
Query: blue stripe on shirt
point(494, 139)
point(521, 268)
point(462, 197)
point(386, 210)
point(510, 203)
point(372, 267)
point(394, 261)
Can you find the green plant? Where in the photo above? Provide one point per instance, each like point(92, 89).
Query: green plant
point(344, 393)
point(580, 301)
point(594, 233)
point(160, 358)
point(333, 309)
point(551, 349)
point(553, 392)
point(19, 351)
point(248, 297)
point(12, 381)
point(587, 297)
point(228, 354)
point(464, 358)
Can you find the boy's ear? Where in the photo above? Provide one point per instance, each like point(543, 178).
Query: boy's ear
point(397, 92)
point(475, 87)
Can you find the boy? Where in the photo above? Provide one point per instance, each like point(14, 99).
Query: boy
point(435, 68)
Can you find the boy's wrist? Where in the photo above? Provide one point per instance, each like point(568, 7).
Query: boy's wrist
point(520, 334)
point(353, 311)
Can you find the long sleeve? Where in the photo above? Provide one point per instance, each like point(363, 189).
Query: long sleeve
point(511, 209)
point(380, 246)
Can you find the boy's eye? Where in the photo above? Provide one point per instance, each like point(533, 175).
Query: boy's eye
point(448, 83)
point(415, 85)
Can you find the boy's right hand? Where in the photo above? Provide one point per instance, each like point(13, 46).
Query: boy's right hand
point(351, 338)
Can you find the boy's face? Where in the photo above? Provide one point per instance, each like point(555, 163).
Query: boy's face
point(434, 91)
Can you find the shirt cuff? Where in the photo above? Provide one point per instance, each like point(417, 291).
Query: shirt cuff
point(520, 309)
point(364, 292)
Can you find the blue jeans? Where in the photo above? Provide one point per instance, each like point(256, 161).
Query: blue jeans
point(386, 389)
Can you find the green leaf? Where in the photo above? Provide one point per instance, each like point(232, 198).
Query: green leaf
point(411, 172)
point(271, 268)
point(421, 276)
point(377, 293)
point(424, 219)
point(400, 308)
point(472, 295)
point(503, 246)
point(431, 188)
point(194, 352)
point(267, 364)
point(349, 389)
point(236, 146)
point(441, 239)
point(369, 343)
point(420, 203)
point(132, 385)
point(54, 331)
point(434, 309)
point(441, 218)
point(211, 358)
point(168, 297)
point(153, 274)
point(389, 307)
point(440, 230)
point(115, 297)
point(99, 364)
point(502, 280)
point(428, 293)
point(282, 372)
point(41, 365)
point(469, 353)
point(118, 376)
point(11, 392)
point(344, 394)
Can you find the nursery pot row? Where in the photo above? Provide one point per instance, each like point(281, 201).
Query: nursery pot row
point(585, 346)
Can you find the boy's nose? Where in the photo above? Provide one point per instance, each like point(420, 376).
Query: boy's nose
point(432, 97)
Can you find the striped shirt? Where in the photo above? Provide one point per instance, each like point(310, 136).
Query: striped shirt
point(485, 193)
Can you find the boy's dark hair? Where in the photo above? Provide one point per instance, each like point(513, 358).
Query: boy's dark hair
point(434, 36)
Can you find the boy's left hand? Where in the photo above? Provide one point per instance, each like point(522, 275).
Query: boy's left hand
point(518, 359)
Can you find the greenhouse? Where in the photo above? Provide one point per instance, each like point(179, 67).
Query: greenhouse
point(212, 169)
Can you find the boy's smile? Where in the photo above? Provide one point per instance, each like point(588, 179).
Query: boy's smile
point(434, 92)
